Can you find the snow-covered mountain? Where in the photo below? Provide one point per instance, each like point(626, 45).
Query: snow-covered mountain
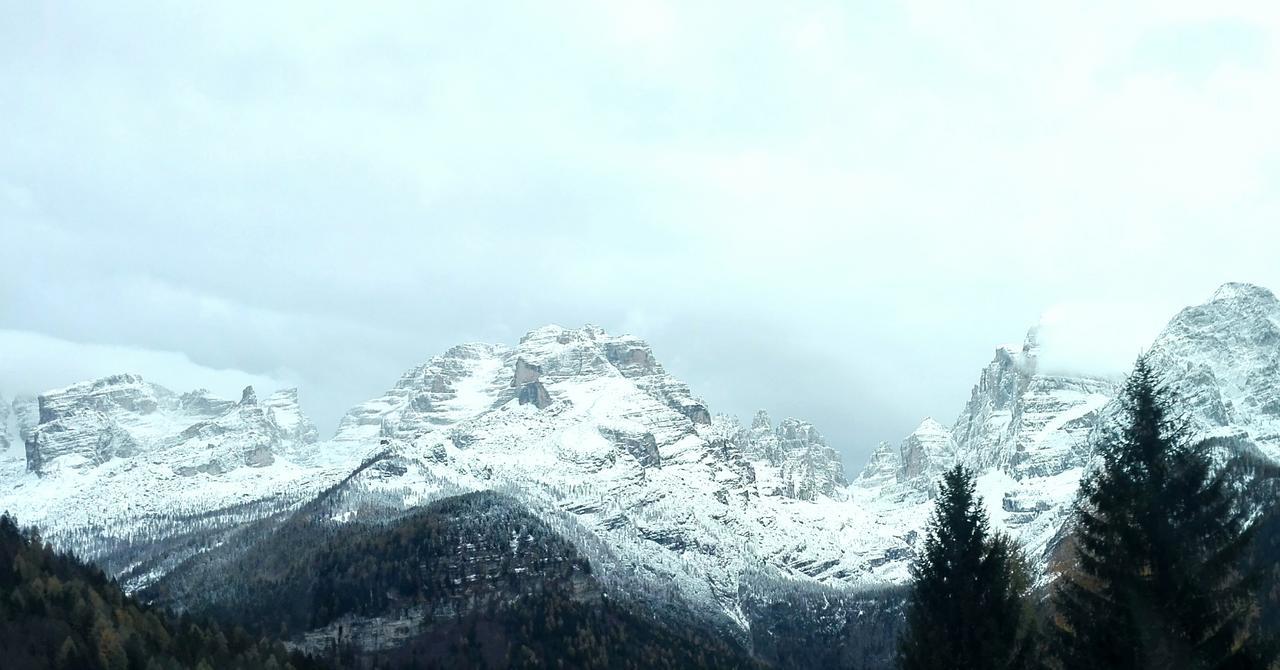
point(127, 472)
point(579, 422)
point(1223, 358)
point(1029, 434)
point(590, 432)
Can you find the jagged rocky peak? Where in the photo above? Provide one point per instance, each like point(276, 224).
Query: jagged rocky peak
point(556, 353)
point(810, 467)
point(798, 461)
point(912, 466)
point(986, 419)
point(1024, 421)
point(251, 433)
point(915, 462)
point(927, 452)
point(762, 442)
point(1243, 292)
point(1223, 357)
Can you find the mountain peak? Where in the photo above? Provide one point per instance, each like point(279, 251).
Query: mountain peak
point(1241, 291)
point(564, 335)
point(930, 426)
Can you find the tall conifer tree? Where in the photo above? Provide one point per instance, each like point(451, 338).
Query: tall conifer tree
point(967, 607)
point(1158, 537)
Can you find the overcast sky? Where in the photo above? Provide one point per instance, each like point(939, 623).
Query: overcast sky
point(831, 210)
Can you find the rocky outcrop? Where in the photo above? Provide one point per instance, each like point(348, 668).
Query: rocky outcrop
point(640, 445)
point(883, 468)
point(127, 394)
point(473, 378)
point(534, 393)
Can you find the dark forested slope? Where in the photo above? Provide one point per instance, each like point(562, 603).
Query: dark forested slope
point(474, 580)
point(58, 612)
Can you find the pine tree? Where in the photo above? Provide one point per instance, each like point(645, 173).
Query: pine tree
point(1158, 537)
point(967, 607)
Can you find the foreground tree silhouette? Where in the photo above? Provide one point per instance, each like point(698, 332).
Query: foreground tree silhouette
point(1158, 536)
point(967, 607)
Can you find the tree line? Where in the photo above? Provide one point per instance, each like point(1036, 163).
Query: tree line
point(1172, 564)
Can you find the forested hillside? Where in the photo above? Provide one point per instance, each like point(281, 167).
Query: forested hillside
point(58, 612)
point(469, 581)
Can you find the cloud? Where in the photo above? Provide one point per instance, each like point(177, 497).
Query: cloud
point(1099, 338)
point(828, 210)
point(46, 363)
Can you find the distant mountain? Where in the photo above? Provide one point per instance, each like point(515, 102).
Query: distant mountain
point(670, 504)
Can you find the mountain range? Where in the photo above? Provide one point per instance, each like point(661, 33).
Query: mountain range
point(673, 506)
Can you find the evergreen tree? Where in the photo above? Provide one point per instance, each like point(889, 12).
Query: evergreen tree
point(967, 607)
point(1158, 538)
